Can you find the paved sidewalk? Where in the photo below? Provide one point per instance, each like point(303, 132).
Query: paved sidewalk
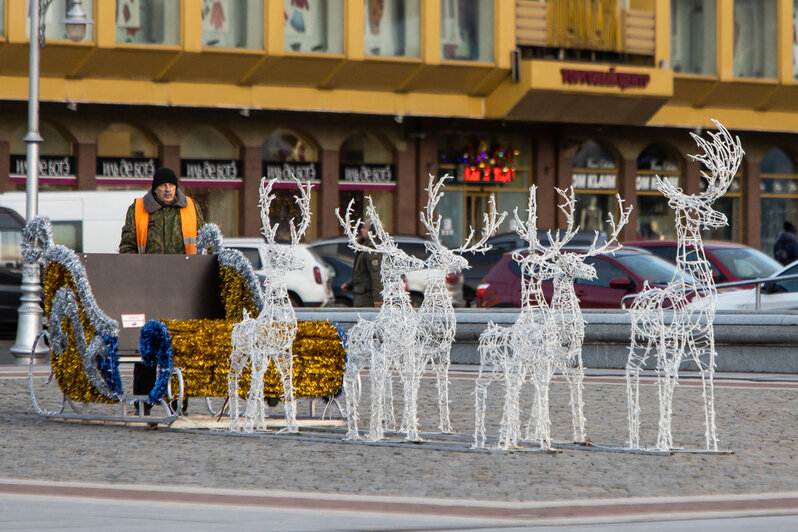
point(756, 419)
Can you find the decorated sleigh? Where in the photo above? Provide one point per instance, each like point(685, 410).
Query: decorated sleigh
point(195, 300)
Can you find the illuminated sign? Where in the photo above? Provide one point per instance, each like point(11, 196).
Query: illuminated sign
point(486, 174)
point(611, 78)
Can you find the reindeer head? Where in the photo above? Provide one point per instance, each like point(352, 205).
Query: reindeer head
point(571, 264)
point(395, 262)
point(282, 258)
point(440, 256)
point(721, 159)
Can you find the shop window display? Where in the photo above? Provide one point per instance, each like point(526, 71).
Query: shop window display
point(148, 22)
point(232, 23)
point(285, 146)
point(467, 30)
point(314, 26)
point(654, 216)
point(755, 32)
point(779, 193)
point(54, 30)
point(693, 36)
point(595, 182)
point(392, 28)
point(481, 165)
point(218, 200)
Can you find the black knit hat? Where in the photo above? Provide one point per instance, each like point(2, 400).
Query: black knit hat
point(163, 175)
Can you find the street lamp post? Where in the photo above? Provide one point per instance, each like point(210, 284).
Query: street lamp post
point(30, 310)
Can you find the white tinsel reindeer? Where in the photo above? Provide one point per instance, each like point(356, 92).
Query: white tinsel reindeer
point(436, 318)
point(271, 336)
point(677, 321)
point(564, 307)
point(389, 340)
point(509, 353)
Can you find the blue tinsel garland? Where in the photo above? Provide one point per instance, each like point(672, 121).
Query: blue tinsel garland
point(155, 347)
point(109, 366)
point(345, 344)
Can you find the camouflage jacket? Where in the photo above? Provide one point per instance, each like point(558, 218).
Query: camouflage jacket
point(165, 234)
point(366, 279)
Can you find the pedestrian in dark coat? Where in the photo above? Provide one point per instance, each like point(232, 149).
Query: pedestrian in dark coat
point(366, 283)
point(785, 250)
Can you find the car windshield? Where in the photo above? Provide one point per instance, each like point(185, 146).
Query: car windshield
point(746, 263)
point(651, 268)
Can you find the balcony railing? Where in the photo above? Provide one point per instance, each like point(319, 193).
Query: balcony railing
point(599, 25)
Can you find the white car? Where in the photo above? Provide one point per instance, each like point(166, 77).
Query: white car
point(774, 295)
point(308, 287)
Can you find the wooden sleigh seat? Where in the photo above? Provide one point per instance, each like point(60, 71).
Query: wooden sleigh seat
point(175, 312)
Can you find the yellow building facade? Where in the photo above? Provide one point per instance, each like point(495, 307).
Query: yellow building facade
point(368, 97)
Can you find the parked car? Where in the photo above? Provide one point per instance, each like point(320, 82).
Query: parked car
point(11, 224)
point(481, 263)
point(337, 253)
point(775, 295)
point(308, 287)
point(618, 274)
point(729, 261)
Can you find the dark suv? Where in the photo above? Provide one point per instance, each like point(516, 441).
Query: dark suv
point(11, 224)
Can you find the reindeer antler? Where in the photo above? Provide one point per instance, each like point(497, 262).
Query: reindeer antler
point(615, 230)
point(491, 221)
point(528, 230)
point(386, 243)
point(303, 200)
point(429, 219)
point(559, 239)
point(350, 229)
point(265, 203)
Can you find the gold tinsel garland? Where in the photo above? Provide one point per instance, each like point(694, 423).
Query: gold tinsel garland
point(235, 295)
point(201, 348)
point(68, 368)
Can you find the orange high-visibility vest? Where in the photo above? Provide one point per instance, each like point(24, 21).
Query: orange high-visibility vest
point(188, 222)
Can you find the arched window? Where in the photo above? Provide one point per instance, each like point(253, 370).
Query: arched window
point(367, 170)
point(210, 173)
point(124, 140)
point(286, 146)
point(56, 163)
point(654, 216)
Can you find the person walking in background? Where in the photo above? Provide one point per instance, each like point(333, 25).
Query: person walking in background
point(785, 250)
point(366, 283)
point(164, 221)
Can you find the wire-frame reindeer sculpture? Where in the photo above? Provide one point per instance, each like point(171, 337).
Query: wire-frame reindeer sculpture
point(569, 325)
point(676, 321)
point(271, 335)
point(436, 318)
point(388, 341)
point(508, 353)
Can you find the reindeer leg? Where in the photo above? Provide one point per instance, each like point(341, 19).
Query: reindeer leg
point(441, 364)
point(284, 363)
point(575, 375)
point(351, 391)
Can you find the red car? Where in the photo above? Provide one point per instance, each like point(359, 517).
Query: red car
point(730, 261)
point(618, 274)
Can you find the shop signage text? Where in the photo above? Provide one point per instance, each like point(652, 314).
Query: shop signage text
point(646, 183)
point(126, 167)
point(611, 78)
point(289, 171)
point(209, 169)
point(487, 174)
point(367, 173)
point(49, 166)
point(594, 181)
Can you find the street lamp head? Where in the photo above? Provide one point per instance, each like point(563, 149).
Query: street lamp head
point(76, 21)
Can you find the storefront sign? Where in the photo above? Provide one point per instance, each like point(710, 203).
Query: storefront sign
point(594, 181)
point(49, 166)
point(126, 167)
point(485, 174)
point(289, 171)
point(646, 183)
point(367, 173)
point(209, 169)
point(611, 78)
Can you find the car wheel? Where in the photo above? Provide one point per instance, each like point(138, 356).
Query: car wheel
point(295, 301)
point(416, 299)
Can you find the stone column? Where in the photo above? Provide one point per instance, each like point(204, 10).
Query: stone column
point(249, 223)
point(327, 222)
point(405, 214)
point(5, 165)
point(427, 155)
point(544, 175)
point(751, 233)
point(627, 187)
point(86, 166)
point(169, 156)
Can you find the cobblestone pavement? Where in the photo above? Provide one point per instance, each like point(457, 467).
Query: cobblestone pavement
point(758, 424)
